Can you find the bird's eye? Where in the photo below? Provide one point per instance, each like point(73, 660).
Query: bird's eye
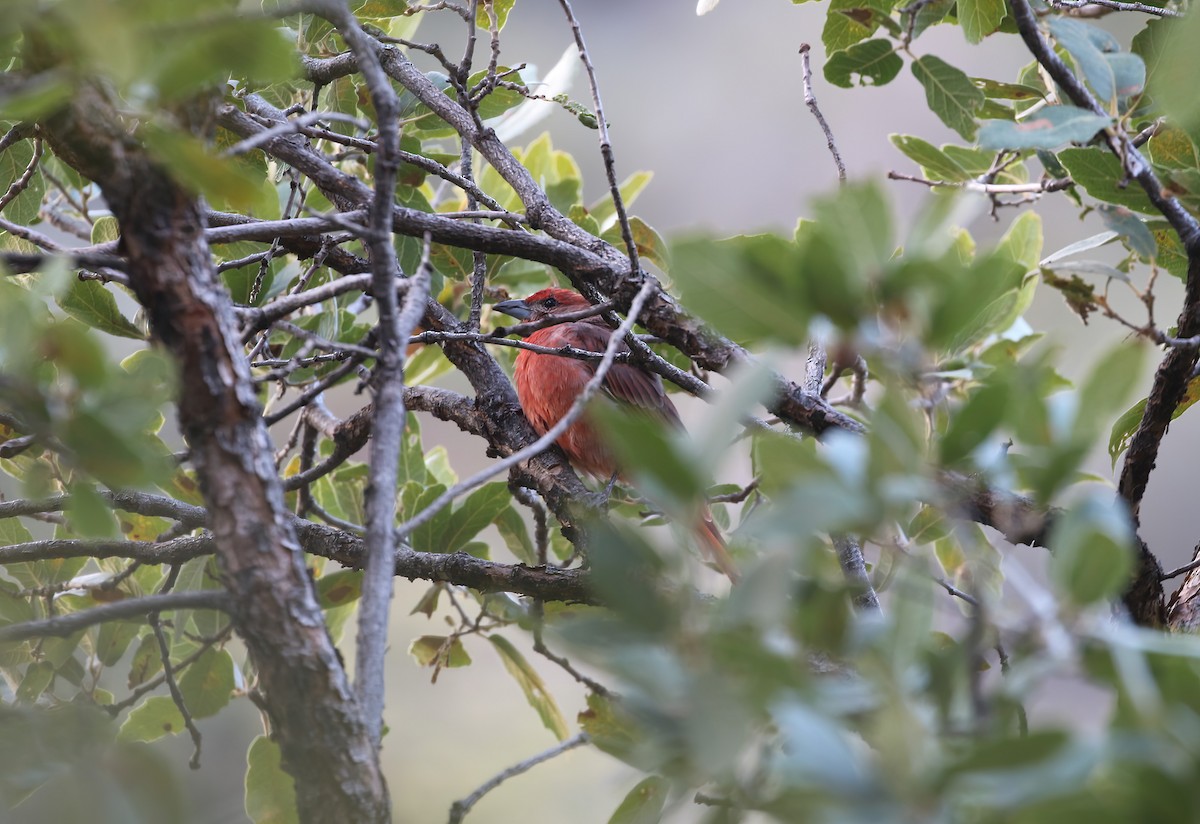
point(549, 303)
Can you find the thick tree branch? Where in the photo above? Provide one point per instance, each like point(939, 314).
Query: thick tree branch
point(315, 718)
point(548, 583)
point(1144, 597)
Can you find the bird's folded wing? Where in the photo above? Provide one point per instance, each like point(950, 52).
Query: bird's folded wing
point(626, 383)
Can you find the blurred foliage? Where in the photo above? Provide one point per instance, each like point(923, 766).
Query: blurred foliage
point(775, 696)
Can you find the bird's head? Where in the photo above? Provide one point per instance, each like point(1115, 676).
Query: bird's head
point(547, 302)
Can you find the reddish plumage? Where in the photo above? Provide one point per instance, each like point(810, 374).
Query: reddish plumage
point(547, 386)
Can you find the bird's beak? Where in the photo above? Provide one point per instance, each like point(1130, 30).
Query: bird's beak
point(514, 308)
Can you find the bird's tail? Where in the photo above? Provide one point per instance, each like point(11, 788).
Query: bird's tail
point(714, 546)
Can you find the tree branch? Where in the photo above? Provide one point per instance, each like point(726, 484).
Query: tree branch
point(1144, 597)
point(64, 625)
point(319, 727)
point(459, 809)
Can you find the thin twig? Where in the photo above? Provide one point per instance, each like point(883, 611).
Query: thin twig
point(1188, 567)
point(459, 809)
point(1050, 184)
point(116, 709)
point(22, 183)
point(164, 652)
point(291, 127)
point(610, 164)
point(525, 329)
point(1116, 6)
point(539, 646)
point(394, 326)
point(63, 625)
point(810, 100)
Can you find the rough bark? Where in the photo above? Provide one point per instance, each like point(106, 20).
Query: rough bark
point(312, 709)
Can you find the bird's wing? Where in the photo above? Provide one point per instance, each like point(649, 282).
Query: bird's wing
point(625, 383)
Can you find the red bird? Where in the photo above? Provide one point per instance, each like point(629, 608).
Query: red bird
point(547, 386)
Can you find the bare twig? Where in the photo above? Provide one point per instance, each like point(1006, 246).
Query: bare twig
point(22, 183)
point(539, 646)
point(526, 329)
point(164, 652)
point(394, 327)
point(459, 809)
point(1050, 184)
point(292, 127)
point(1116, 6)
point(63, 625)
point(810, 100)
point(606, 151)
point(1188, 567)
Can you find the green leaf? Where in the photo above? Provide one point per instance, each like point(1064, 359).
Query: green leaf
point(336, 589)
point(207, 685)
point(479, 509)
point(929, 14)
point(500, 8)
point(1108, 386)
point(38, 677)
point(1093, 549)
point(1171, 147)
point(664, 471)
point(1022, 243)
point(1086, 45)
point(531, 684)
point(89, 302)
point(221, 180)
point(745, 286)
point(644, 803)
point(979, 18)
point(35, 98)
point(604, 212)
point(849, 21)
point(935, 163)
point(14, 161)
point(1127, 424)
point(439, 650)
point(113, 638)
point(649, 242)
point(1100, 173)
point(611, 727)
point(1007, 91)
point(415, 497)
point(89, 514)
point(1078, 246)
point(151, 720)
point(928, 525)
point(977, 419)
point(979, 161)
point(1170, 251)
point(516, 535)
point(873, 63)
point(146, 662)
point(1129, 73)
point(950, 93)
point(1050, 128)
point(1094, 268)
point(270, 792)
point(411, 463)
point(199, 56)
point(1132, 228)
point(1173, 75)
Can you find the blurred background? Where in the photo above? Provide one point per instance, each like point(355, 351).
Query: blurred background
point(713, 106)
